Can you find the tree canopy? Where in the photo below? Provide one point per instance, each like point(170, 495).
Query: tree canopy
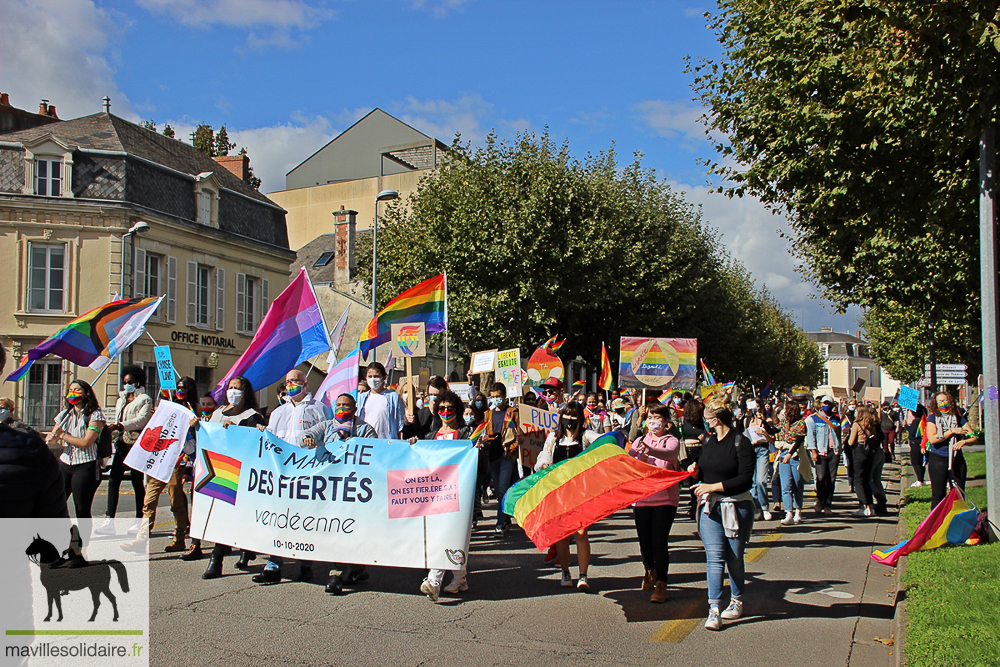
point(860, 120)
point(536, 243)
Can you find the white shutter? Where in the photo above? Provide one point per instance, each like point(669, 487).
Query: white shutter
point(171, 289)
point(264, 302)
point(220, 298)
point(192, 293)
point(241, 297)
point(139, 274)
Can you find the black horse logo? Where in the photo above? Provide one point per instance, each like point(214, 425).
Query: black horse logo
point(95, 575)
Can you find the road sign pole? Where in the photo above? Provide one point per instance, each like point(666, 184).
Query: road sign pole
point(988, 298)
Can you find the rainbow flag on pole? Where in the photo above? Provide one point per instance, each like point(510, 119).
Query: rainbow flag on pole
point(951, 522)
point(606, 381)
point(291, 332)
point(709, 378)
point(96, 337)
point(222, 476)
point(559, 500)
point(424, 302)
point(341, 378)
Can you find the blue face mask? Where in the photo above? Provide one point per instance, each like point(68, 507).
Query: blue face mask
point(469, 419)
point(827, 408)
point(129, 388)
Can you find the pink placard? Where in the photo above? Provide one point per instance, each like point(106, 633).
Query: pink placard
point(423, 491)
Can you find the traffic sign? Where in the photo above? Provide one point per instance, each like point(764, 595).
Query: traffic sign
point(946, 367)
point(925, 382)
point(949, 374)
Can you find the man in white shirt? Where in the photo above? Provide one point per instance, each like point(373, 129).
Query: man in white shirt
point(289, 421)
point(383, 409)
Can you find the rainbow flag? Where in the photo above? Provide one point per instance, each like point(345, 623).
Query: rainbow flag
point(96, 337)
point(922, 431)
point(951, 522)
point(766, 391)
point(477, 434)
point(563, 498)
point(291, 332)
point(552, 344)
point(709, 378)
point(222, 476)
point(424, 302)
point(605, 382)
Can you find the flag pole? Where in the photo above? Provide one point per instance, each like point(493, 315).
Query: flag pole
point(447, 373)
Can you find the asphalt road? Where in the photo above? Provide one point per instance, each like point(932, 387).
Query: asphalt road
point(813, 597)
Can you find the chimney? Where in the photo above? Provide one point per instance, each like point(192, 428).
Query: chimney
point(4, 99)
point(52, 111)
point(859, 333)
point(43, 108)
point(826, 329)
point(107, 104)
point(345, 259)
point(238, 164)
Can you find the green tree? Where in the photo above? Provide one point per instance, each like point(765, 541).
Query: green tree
point(168, 131)
point(203, 138)
point(149, 124)
point(537, 243)
point(222, 143)
point(860, 121)
point(252, 179)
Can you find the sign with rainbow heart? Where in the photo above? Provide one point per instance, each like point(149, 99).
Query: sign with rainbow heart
point(410, 338)
point(360, 500)
point(656, 363)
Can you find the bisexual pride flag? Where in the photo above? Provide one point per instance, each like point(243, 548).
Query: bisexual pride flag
point(951, 522)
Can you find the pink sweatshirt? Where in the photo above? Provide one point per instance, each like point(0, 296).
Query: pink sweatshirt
point(661, 452)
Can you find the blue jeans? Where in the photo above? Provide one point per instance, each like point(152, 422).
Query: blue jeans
point(723, 552)
point(759, 489)
point(502, 471)
point(792, 485)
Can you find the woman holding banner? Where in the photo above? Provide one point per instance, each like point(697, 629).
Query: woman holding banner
point(241, 410)
point(569, 439)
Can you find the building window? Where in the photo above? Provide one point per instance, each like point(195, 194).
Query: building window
point(206, 297)
point(251, 302)
point(873, 377)
point(48, 177)
point(46, 278)
point(204, 291)
point(152, 381)
point(148, 279)
point(206, 199)
point(826, 376)
point(205, 208)
point(45, 395)
point(324, 259)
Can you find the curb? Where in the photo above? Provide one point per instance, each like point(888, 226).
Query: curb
point(899, 618)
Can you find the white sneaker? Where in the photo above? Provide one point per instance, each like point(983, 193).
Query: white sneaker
point(430, 590)
point(733, 611)
point(916, 483)
point(713, 622)
point(567, 581)
point(787, 521)
point(768, 516)
point(107, 528)
point(457, 586)
point(134, 528)
point(797, 517)
point(582, 584)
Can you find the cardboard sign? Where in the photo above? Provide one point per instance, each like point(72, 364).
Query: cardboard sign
point(462, 389)
point(839, 392)
point(165, 367)
point(508, 370)
point(709, 389)
point(656, 363)
point(483, 362)
point(858, 385)
point(873, 394)
point(423, 377)
point(409, 339)
point(533, 419)
point(909, 398)
point(530, 447)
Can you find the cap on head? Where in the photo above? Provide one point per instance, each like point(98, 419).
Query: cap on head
point(553, 383)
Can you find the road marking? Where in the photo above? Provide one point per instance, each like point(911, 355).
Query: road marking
point(690, 615)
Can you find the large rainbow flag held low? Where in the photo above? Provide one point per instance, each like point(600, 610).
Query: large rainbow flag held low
point(95, 338)
point(563, 498)
point(424, 302)
point(951, 522)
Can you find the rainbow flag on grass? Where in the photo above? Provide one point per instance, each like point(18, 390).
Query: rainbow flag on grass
point(559, 500)
point(96, 337)
point(222, 476)
point(424, 302)
point(951, 522)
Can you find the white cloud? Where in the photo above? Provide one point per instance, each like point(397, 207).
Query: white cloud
point(441, 119)
point(244, 13)
point(438, 8)
point(672, 119)
point(56, 50)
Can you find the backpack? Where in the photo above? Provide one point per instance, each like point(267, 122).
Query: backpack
point(104, 450)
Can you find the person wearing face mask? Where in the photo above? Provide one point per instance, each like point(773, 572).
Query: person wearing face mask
point(240, 410)
point(208, 406)
point(499, 440)
point(823, 443)
point(788, 441)
point(948, 431)
point(298, 413)
point(380, 407)
point(424, 422)
point(654, 515)
point(597, 419)
point(345, 424)
point(569, 439)
point(448, 407)
point(133, 410)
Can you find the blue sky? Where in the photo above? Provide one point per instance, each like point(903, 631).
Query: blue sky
point(286, 76)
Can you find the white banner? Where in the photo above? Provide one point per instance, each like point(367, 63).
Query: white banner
point(159, 446)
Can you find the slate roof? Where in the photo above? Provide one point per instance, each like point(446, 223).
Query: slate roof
point(308, 254)
point(107, 132)
point(834, 337)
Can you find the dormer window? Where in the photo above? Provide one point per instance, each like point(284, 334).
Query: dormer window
point(48, 167)
point(48, 177)
point(206, 195)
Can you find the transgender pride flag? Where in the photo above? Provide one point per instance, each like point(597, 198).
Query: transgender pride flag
point(292, 331)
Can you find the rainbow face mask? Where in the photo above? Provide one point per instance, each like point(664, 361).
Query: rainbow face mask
point(343, 414)
point(294, 389)
point(446, 415)
point(74, 397)
point(180, 394)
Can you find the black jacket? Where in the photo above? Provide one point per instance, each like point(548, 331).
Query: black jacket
point(31, 484)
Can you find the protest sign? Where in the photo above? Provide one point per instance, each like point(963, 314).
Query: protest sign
point(839, 392)
point(409, 339)
point(532, 418)
point(530, 447)
point(363, 500)
point(508, 371)
point(709, 389)
point(462, 389)
point(165, 367)
point(159, 446)
point(483, 362)
point(544, 364)
point(655, 363)
point(909, 397)
point(873, 394)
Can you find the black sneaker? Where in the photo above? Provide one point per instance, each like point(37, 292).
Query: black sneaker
point(267, 577)
point(335, 586)
point(355, 576)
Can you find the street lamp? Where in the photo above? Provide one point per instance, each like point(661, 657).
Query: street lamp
point(137, 228)
point(385, 195)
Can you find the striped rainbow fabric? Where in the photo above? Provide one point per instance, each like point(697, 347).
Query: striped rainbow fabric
point(424, 302)
point(563, 498)
point(222, 476)
point(951, 522)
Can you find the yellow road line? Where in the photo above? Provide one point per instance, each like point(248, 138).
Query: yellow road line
point(689, 615)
